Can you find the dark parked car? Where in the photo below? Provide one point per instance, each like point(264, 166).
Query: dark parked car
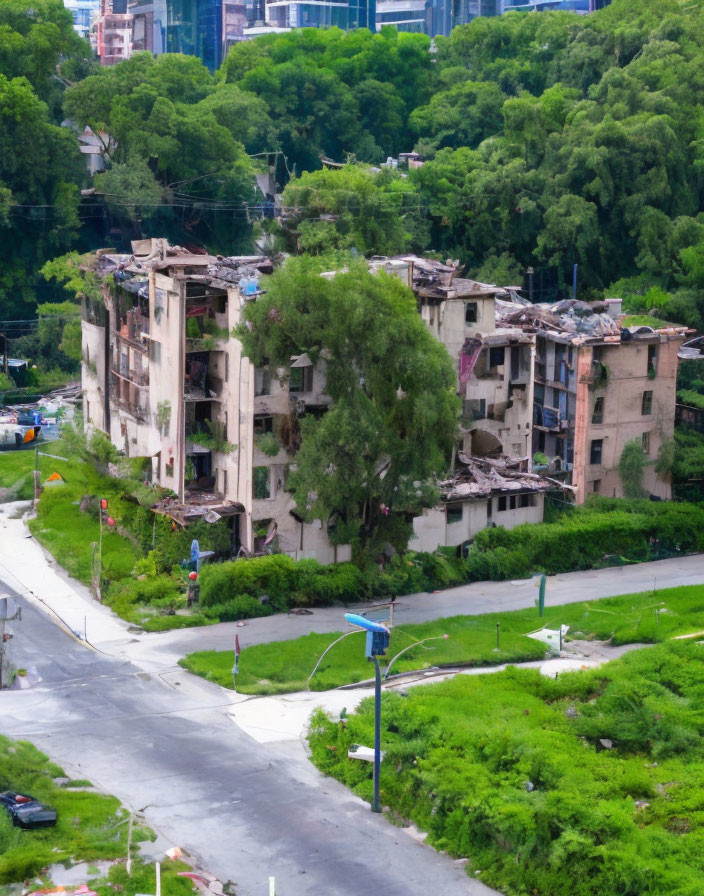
point(26, 812)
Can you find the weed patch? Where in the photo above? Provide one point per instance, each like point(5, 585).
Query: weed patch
point(587, 784)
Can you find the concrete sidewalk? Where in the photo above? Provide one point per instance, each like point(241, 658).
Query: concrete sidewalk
point(34, 573)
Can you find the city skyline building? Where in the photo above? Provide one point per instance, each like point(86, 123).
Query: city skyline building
point(83, 12)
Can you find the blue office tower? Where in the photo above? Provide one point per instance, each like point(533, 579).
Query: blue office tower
point(346, 15)
point(580, 6)
point(202, 28)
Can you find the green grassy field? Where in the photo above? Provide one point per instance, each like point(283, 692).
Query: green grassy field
point(284, 666)
point(16, 475)
point(590, 784)
point(90, 827)
point(67, 532)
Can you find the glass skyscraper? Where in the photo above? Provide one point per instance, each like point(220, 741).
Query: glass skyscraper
point(345, 14)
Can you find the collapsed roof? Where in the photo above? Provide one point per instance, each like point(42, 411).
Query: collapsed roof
point(477, 477)
point(576, 322)
point(437, 280)
point(222, 272)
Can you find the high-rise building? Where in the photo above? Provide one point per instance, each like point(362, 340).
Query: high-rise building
point(202, 28)
point(113, 32)
point(581, 6)
point(83, 11)
point(439, 17)
point(345, 14)
point(432, 17)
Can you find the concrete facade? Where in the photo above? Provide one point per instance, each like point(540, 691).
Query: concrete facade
point(638, 402)
point(112, 30)
point(599, 385)
point(455, 523)
point(165, 379)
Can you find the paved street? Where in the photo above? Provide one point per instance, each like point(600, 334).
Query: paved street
point(244, 809)
point(165, 742)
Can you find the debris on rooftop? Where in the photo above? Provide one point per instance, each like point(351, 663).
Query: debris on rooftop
point(575, 321)
point(157, 255)
point(198, 505)
point(483, 476)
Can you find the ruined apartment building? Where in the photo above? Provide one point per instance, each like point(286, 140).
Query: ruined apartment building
point(599, 385)
point(492, 482)
point(164, 378)
point(494, 361)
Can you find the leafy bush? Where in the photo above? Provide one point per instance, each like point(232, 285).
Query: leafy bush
point(586, 537)
point(102, 448)
point(244, 606)
point(287, 583)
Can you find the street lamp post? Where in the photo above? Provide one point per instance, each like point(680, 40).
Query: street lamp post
point(377, 642)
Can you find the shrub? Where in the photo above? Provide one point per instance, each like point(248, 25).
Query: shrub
point(102, 448)
point(287, 583)
point(586, 537)
point(244, 606)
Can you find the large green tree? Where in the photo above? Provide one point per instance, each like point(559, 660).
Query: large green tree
point(40, 166)
point(372, 457)
point(353, 208)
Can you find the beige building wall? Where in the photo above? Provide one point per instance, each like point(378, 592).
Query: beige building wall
point(508, 399)
point(446, 320)
point(434, 529)
point(635, 406)
point(93, 374)
point(296, 538)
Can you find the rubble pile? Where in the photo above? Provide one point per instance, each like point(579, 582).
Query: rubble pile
point(484, 476)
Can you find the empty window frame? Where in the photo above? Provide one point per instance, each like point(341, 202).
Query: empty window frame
point(471, 313)
point(262, 483)
point(496, 356)
point(595, 451)
point(652, 360)
point(262, 381)
point(263, 425)
point(646, 406)
point(598, 412)
point(453, 513)
point(502, 503)
point(645, 441)
point(301, 379)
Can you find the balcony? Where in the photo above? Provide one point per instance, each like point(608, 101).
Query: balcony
point(138, 378)
point(134, 328)
point(134, 409)
point(549, 419)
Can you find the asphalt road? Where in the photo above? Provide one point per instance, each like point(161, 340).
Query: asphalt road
point(245, 810)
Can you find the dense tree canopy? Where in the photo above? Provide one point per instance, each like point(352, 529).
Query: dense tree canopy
point(548, 140)
point(353, 208)
point(40, 167)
